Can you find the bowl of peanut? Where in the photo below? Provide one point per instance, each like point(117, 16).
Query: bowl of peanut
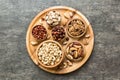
point(49, 54)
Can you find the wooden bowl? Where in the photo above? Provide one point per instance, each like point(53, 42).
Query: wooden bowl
point(49, 66)
point(79, 58)
point(61, 40)
point(40, 40)
point(67, 27)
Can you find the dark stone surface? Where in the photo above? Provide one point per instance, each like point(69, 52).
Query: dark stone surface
point(15, 16)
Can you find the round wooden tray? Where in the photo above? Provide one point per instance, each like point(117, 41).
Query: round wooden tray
point(87, 39)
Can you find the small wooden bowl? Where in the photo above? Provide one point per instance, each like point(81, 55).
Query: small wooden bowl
point(78, 59)
point(61, 40)
point(67, 27)
point(40, 40)
point(51, 25)
point(50, 66)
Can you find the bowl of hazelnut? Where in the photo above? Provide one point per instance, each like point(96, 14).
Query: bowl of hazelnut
point(39, 32)
point(49, 54)
point(76, 28)
point(75, 51)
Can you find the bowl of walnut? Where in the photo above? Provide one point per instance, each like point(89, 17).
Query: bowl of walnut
point(76, 28)
point(49, 54)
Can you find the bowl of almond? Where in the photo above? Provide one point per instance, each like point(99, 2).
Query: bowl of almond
point(49, 54)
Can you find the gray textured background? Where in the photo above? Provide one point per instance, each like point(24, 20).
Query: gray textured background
point(15, 16)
